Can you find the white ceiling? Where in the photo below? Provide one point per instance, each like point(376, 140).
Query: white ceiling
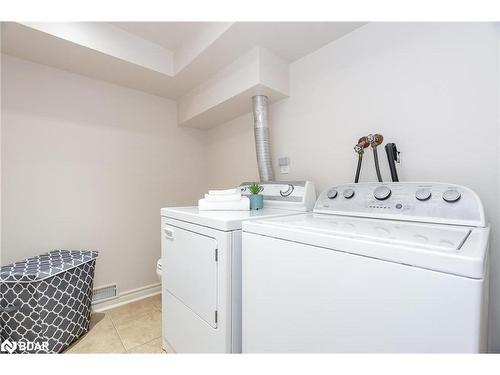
point(163, 58)
point(201, 65)
point(170, 35)
point(293, 40)
point(289, 40)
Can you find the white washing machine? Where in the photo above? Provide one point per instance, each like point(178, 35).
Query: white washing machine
point(378, 267)
point(201, 257)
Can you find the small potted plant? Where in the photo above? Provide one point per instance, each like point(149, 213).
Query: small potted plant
point(256, 199)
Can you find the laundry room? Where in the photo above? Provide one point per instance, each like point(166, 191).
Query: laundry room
point(207, 186)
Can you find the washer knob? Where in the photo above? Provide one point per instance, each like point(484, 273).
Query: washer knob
point(348, 193)
point(423, 194)
point(332, 193)
point(382, 193)
point(451, 195)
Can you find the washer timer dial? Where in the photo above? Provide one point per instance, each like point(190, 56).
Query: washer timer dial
point(382, 192)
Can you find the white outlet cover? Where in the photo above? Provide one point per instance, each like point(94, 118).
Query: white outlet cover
point(284, 169)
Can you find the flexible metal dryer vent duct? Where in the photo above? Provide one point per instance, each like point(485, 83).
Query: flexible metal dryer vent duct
point(262, 143)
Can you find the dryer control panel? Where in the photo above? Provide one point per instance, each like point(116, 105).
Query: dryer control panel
point(411, 201)
point(290, 195)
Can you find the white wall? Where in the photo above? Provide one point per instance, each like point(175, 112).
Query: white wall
point(231, 153)
point(430, 88)
point(87, 164)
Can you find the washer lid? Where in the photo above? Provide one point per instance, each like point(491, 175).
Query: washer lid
point(454, 249)
point(437, 237)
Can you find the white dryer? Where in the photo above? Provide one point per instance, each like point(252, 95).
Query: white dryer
point(201, 258)
point(378, 267)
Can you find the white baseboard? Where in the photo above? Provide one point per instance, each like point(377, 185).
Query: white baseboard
point(127, 297)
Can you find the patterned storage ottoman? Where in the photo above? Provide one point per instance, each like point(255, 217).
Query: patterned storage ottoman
point(45, 301)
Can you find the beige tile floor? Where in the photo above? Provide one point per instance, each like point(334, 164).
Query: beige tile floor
point(131, 328)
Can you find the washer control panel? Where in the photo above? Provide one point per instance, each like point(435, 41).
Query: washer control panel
point(412, 201)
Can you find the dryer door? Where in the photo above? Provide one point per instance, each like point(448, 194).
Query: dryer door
point(191, 262)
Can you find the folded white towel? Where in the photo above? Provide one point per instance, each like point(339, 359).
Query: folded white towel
point(223, 198)
point(223, 192)
point(242, 205)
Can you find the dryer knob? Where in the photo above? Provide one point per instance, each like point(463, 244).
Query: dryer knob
point(348, 193)
point(451, 195)
point(332, 193)
point(287, 192)
point(423, 194)
point(382, 193)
